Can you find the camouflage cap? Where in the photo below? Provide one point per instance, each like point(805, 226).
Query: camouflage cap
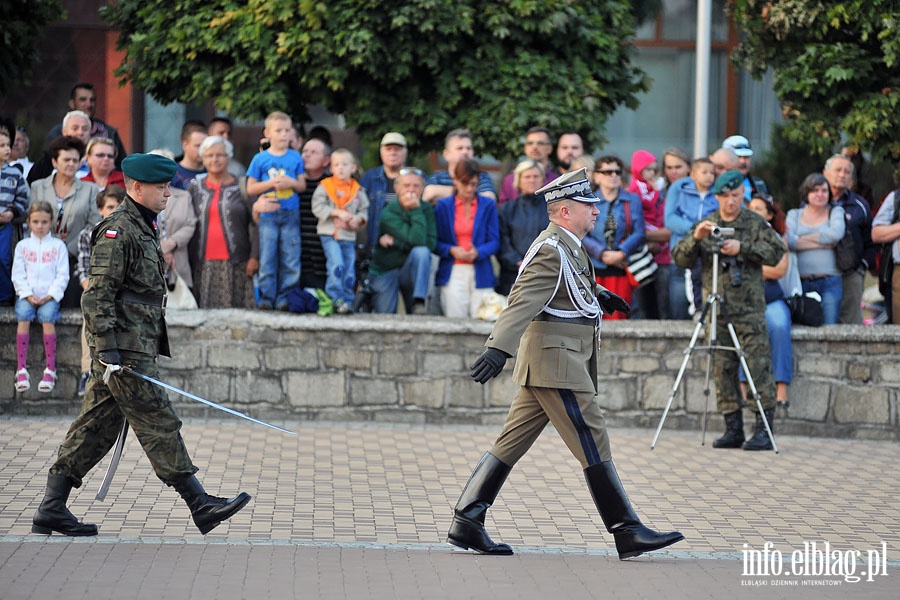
point(149, 168)
point(571, 186)
point(728, 181)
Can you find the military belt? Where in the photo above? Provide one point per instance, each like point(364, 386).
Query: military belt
point(148, 299)
point(573, 321)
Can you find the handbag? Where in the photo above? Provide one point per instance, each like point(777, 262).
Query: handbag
point(846, 258)
point(641, 264)
point(180, 295)
point(806, 309)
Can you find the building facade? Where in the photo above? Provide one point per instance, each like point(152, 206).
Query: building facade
point(83, 48)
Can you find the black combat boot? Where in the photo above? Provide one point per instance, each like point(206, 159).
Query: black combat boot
point(52, 515)
point(467, 530)
point(760, 439)
point(734, 431)
point(208, 511)
point(632, 537)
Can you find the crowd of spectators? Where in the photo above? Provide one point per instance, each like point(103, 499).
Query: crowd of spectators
point(245, 238)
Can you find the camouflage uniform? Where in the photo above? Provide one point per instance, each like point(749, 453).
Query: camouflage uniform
point(123, 310)
point(745, 305)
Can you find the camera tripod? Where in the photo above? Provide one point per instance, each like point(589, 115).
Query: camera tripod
point(714, 301)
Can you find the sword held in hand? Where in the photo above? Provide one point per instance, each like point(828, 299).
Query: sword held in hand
point(120, 442)
point(230, 411)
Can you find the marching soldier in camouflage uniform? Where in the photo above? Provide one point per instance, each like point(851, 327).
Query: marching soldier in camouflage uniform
point(742, 256)
point(125, 321)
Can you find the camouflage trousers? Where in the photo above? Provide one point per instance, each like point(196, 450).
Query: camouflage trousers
point(150, 415)
point(754, 337)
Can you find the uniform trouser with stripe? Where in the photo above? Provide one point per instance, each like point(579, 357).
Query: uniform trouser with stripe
point(576, 415)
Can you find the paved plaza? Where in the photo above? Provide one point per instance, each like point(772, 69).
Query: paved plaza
point(362, 510)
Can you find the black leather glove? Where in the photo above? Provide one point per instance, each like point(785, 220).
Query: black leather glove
point(489, 365)
point(109, 357)
point(610, 303)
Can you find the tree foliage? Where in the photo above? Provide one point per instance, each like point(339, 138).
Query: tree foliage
point(421, 67)
point(836, 65)
point(21, 28)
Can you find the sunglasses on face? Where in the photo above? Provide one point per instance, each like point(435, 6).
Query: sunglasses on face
point(609, 171)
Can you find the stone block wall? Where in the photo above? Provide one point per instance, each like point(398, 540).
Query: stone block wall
point(416, 370)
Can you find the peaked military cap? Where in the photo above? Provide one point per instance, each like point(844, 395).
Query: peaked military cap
point(727, 181)
point(571, 186)
point(149, 168)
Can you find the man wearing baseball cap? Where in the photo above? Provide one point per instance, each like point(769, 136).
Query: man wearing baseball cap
point(553, 322)
point(742, 289)
point(124, 313)
point(379, 182)
point(741, 146)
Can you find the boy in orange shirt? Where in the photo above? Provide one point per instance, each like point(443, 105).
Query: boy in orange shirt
point(341, 205)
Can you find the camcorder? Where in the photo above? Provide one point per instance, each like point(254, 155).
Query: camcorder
point(730, 264)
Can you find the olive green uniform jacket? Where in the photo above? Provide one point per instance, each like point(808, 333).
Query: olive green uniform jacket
point(551, 354)
point(127, 279)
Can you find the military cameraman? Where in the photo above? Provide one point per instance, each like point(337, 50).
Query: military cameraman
point(742, 253)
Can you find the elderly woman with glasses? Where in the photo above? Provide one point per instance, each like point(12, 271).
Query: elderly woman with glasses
point(225, 246)
point(619, 230)
point(520, 221)
point(468, 234)
point(101, 160)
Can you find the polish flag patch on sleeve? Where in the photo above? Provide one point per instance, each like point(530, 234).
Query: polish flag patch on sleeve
point(111, 233)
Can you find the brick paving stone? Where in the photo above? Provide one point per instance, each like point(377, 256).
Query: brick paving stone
point(362, 510)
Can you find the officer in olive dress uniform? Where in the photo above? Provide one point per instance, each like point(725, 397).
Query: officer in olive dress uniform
point(124, 311)
point(553, 321)
point(741, 286)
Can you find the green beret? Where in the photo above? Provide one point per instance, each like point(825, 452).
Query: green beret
point(728, 181)
point(149, 168)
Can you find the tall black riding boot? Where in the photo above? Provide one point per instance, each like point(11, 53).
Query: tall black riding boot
point(760, 439)
point(632, 537)
point(208, 511)
point(734, 431)
point(52, 515)
point(467, 530)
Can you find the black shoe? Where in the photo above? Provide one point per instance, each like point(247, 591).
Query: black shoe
point(760, 439)
point(208, 511)
point(52, 515)
point(632, 537)
point(734, 431)
point(467, 530)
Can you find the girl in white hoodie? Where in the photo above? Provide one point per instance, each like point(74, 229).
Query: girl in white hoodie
point(40, 274)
